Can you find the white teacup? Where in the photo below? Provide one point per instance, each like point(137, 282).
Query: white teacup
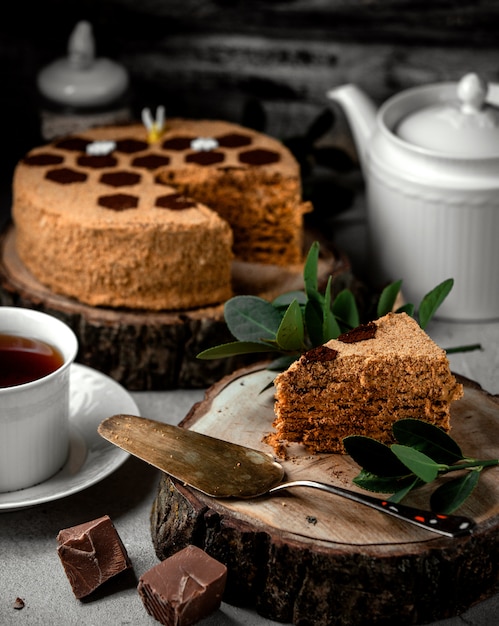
point(34, 416)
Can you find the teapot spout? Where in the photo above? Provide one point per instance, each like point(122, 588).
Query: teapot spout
point(361, 115)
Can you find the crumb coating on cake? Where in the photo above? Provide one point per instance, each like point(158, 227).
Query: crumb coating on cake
point(362, 385)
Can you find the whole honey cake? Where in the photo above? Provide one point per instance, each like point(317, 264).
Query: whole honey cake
point(110, 219)
point(361, 383)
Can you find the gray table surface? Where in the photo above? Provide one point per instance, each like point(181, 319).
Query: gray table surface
point(30, 568)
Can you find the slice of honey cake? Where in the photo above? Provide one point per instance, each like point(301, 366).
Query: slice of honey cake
point(361, 383)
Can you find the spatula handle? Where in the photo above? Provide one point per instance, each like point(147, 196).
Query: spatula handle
point(448, 525)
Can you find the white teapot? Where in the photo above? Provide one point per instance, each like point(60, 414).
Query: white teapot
point(430, 159)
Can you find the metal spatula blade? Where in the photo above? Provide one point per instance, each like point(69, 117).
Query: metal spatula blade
point(222, 469)
point(217, 468)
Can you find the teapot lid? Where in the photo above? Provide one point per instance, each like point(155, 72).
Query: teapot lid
point(466, 126)
point(81, 79)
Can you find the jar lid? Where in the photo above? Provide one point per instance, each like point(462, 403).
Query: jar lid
point(466, 126)
point(80, 79)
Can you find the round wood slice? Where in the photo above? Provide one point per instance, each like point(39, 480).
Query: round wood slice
point(306, 557)
point(150, 350)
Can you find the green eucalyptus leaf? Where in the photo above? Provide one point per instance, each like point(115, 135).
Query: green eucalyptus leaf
point(310, 270)
point(383, 484)
point(235, 348)
point(420, 464)
point(282, 362)
point(250, 318)
point(345, 309)
point(429, 439)
point(451, 494)
point(330, 327)
point(388, 298)
point(432, 300)
point(314, 321)
point(285, 299)
point(406, 308)
point(291, 333)
point(413, 482)
point(373, 456)
point(466, 348)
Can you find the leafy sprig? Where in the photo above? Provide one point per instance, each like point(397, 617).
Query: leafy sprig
point(300, 320)
point(423, 453)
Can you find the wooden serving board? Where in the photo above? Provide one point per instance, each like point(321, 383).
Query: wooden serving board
point(153, 350)
point(311, 558)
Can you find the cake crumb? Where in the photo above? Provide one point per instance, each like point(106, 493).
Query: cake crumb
point(279, 447)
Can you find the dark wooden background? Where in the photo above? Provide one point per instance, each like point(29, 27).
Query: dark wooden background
point(264, 64)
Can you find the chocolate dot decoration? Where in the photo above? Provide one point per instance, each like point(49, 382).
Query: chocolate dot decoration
point(321, 354)
point(175, 201)
point(130, 146)
point(177, 143)
point(361, 333)
point(97, 162)
point(120, 179)
point(233, 140)
point(118, 202)
point(43, 158)
point(205, 158)
point(65, 176)
point(151, 161)
point(73, 144)
point(259, 156)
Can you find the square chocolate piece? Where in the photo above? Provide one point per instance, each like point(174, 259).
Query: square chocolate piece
point(91, 553)
point(184, 588)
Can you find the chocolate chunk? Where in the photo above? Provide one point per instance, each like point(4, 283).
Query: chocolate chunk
point(184, 588)
point(319, 354)
point(91, 553)
point(209, 157)
point(43, 158)
point(118, 202)
point(361, 333)
point(65, 176)
point(259, 157)
point(120, 179)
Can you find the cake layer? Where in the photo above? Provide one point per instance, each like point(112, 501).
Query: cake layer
point(362, 383)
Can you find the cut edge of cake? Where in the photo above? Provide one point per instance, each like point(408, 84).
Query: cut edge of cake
point(361, 383)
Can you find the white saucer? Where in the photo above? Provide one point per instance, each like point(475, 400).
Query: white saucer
point(93, 397)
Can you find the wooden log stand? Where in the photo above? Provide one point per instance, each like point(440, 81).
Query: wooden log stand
point(306, 557)
point(150, 350)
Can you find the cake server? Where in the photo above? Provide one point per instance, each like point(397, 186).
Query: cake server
point(222, 469)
